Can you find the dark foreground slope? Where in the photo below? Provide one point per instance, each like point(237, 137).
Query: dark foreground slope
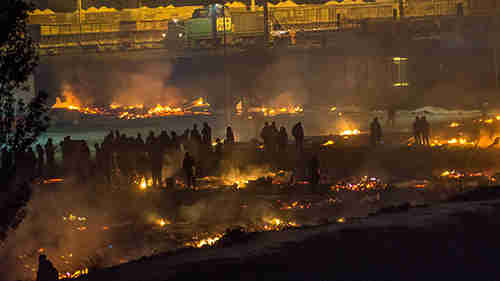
point(457, 240)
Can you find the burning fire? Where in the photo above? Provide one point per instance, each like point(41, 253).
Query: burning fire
point(341, 220)
point(359, 184)
point(209, 241)
point(330, 142)
point(128, 112)
point(144, 184)
point(350, 132)
point(276, 224)
point(270, 111)
point(454, 125)
point(76, 274)
point(162, 222)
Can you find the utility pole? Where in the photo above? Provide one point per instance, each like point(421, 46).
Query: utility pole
point(495, 61)
point(79, 7)
point(227, 92)
point(266, 23)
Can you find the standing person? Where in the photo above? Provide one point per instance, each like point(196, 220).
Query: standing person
point(84, 162)
point(31, 162)
point(298, 134)
point(391, 117)
point(426, 130)
point(157, 162)
point(195, 136)
point(282, 140)
point(265, 135)
point(375, 132)
point(188, 166)
point(46, 270)
point(50, 152)
point(41, 160)
point(274, 137)
point(314, 171)
point(175, 141)
point(107, 159)
point(416, 131)
point(98, 166)
point(229, 136)
point(6, 160)
point(206, 133)
point(195, 141)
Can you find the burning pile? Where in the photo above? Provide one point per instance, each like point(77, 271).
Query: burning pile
point(203, 242)
point(364, 183)
point(240, 180)
point(274, 111)
point(130, 112)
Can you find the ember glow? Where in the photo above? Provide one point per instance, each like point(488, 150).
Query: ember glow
point(359, 184)
point(350, 132)
point(133, 111)
point(277, 224)
point(328, 143)
point(209, 241)
point(144, 184)
point(76, 274)
point(274, 111)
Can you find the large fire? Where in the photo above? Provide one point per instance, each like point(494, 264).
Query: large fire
point(135, 111)
point(274, 111)
point(350, 132)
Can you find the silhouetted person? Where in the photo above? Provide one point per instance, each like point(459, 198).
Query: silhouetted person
point(426, 131)
point(150, 138)
point(375, 132)
point(98, 166)
point(175, 141)
point(391, 117)
point(40, 160)
point(417, 131)
point(31, 162)
point(298, 134)
point(195, 136)
point(83, 163)
point(50, 152)
point(267, 135)
point(7, 160)
point(274, 137)
point(107, 159)
point(218, 148)
point(46, 270)
point(314, 171)
point(206, 133)
point(66, 151)
point(188, 166)
point(157, 162)
point(282, 140)
point(229, 136)
point(138, 139)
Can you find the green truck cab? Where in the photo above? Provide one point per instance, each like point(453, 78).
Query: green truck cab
point(201, 30)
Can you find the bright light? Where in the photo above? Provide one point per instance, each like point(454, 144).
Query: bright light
point(398, 59)
point(401, 84)
point(164, 35)
point(180, 35)
point(175, 20)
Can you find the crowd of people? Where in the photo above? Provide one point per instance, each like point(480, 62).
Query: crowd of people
point(421, 131)
point(276, 141)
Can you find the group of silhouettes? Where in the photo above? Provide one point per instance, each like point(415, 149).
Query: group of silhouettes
point(276, 141)
point(118, 158)
point(421, 131)
point(29, 163)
